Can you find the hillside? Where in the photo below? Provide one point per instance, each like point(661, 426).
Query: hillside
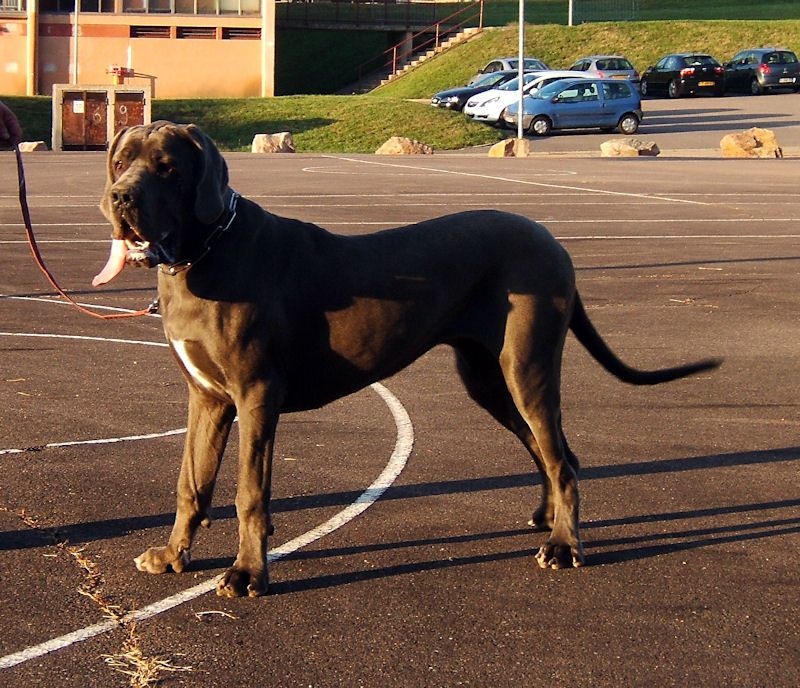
point(642, 42)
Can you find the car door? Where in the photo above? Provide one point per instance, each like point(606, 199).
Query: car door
point(613, 93)
point(734, 70)
point(746, 72)
point(576, 105)
point(660, 76)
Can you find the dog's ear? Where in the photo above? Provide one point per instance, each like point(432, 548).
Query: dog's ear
point(105, 203)
point(212, 178)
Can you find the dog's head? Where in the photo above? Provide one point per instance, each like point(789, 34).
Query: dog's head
point(166, 184)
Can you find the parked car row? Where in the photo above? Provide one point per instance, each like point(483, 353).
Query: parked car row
point(603, 90)
point(756, 71)
point(488, 106)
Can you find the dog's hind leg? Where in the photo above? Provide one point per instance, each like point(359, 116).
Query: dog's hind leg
point(485, 384)
point(531, 365)
point(210, 422)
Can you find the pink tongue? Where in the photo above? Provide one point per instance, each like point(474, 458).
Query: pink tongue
point(114, 265)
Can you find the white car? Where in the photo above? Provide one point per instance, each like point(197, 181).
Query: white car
point(488, 106)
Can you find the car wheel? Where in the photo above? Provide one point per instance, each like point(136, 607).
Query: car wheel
point(628, 123)
point(756, 88)
point(643, 87)
point(541, 126)
point(501, 122)
point(673, 90)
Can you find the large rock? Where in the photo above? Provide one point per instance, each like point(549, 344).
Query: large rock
point(273, 143)
point(628, 148)
point(752, 143)
point(32, 146)
point(400, 145)
point(510, 148)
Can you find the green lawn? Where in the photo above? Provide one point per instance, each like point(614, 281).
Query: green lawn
point(362, 123)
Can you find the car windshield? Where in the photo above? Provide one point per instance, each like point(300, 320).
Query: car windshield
point(614, 63)
point(694, 60)
point(551, 90)
point(513, 85)
point(489, 79)
point(534, 64)
point(783, 57)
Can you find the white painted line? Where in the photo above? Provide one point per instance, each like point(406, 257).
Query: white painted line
point(105, 440)
point(58, 301)
point(511, 180)
point(335, 170)
point(51, 241)
point(57, 224)
point(402, 450)
point(82, 338)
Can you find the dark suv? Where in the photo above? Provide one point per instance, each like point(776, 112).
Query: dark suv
point(758, 70)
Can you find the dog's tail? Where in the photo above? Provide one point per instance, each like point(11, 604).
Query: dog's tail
point(586, 334)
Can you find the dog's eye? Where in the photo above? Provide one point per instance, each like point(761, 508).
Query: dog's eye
point(117, 165)
point(165, 169)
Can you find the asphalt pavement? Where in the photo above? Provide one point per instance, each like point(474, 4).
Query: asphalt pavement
point(690, 507)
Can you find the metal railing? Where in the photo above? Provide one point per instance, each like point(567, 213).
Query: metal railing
point(429, 38)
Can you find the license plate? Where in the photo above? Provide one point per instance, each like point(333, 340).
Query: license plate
point(706, 83)
point(787, 80)
point(618, 76)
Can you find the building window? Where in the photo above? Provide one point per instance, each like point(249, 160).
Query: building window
point(150, 32)
point(197, 32)
point(230, 33)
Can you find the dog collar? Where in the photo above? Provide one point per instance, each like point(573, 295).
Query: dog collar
point(225, 222)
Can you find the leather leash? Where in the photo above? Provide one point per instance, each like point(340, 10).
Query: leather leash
point(37, 256)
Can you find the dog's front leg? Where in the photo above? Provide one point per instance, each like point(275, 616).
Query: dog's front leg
point(210, 422)
point(257, 424)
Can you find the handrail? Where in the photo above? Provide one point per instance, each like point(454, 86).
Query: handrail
point(392, 57)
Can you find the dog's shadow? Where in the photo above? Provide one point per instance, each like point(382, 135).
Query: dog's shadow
point(613, 550)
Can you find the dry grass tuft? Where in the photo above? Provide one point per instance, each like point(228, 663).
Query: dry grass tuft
point(143, 671)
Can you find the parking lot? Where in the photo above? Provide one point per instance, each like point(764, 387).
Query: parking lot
point(694, 126)
point(690, 491)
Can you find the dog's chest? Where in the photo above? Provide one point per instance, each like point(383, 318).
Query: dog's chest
point(199, 367)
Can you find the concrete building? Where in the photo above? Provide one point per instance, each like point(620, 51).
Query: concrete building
point(174, 48)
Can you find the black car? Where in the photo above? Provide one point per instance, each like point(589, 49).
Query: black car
point(684, 74)
point(456, 98)
point(758, 70)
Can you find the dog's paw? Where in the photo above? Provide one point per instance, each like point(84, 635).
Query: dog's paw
point(239, 582)
point(555, 556)
point(162, 559)
point(542, 519)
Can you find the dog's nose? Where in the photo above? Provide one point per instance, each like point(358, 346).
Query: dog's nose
point(123, 197)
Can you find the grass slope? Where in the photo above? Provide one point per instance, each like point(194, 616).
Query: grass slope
point(642, 42)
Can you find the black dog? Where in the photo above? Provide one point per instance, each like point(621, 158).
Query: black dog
point(266, 314)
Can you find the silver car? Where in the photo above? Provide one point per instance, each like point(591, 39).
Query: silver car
point(607, 67)
point(501, 64)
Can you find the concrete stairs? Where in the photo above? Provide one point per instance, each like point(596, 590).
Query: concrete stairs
point(417, 59)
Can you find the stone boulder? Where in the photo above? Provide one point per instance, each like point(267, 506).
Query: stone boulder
point(273, 143)
point(752, 143)
point(400, 145)
point(510, 148)
point(628, 148)
point(32, 146)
